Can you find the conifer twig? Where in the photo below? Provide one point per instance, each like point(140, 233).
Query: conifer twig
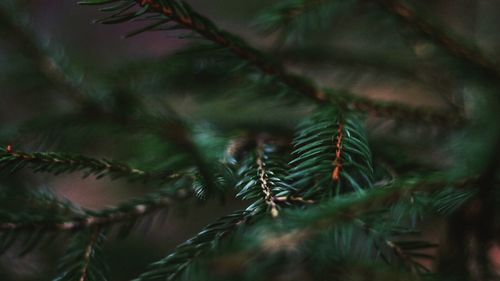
point(331, 153)
point(194, 21)
point(65, 161)
point(203, 26)
point(184, 16)
point(186, 253)
point(57, 163)
point(83, 260)
point(337, 162)
point(88, 252)
point(351, 207)
point(128, 211)
point(264, 183)
point(392, 245)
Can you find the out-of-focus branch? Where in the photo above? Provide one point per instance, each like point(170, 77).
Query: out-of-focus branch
point(25, 41)
point(128, 211)
point(470, 55)
point(57, 163)
point(183, 16)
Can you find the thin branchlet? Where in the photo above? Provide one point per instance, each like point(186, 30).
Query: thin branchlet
point(194, 21)
point(353, 206)
point(52, 162)
point(337, 162)
point(83, 260)
point(186, 253)
point(184, 16)
point(87, 253)
point(128, 211)
point(348, 210)
point(264, 183)
point(398, 251)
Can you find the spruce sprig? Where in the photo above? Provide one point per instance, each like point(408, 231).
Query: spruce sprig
point(83, 260)
point(331, 155)
point(176, 14)
point(350, 207)
point(393, 243)
point(128, 212)
point(185, 254)
point(58, 163)
point(263, 176)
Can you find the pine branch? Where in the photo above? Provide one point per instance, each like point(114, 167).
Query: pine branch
point(167, 124)
point(83, 260)
point(185, 254)
point(41, 203)
point(41, 200)
point(331, 156)
point(182, 14)
point(350, 207)
point(184, 17)
point(57, 163)
point(128, 212)
point(378, 239)
point(263, 179)
point(455, 47)
point(337, 162)
point(305, 226)
point(173, 128)
point(404, 250)
point(269, 197)
point(302, 226)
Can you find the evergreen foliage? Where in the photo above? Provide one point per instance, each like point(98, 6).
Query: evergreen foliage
point(84, 260)
point(326, 198)
point(327, 135)
point(57, 163)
